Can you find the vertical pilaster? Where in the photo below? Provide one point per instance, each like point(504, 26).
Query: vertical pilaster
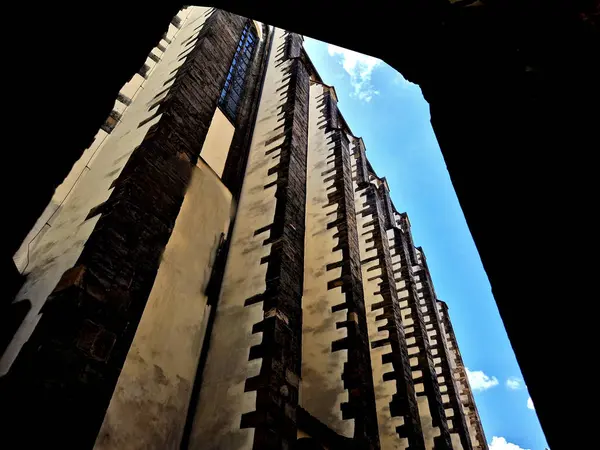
point(457, 425)
point(397, 411)
point(278, 381)
point(431, 408)
point(249, 392)
point(337, 385)
point(475, 427)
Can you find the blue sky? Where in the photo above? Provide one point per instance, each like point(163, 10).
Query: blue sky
point(392, 117)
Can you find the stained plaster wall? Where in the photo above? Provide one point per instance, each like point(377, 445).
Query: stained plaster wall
point(323, 390)
point(223, 399)
point(430, 431)
point(149, 405)
point(384, 390)
point(412, 270)
point(444, 361)
point(58, 238)
point(372, 271)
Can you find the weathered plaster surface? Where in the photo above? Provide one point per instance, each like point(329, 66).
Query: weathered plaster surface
point(149, 406)
point(442, 414)
point(323, 389)
point(429, 430)
point(222, 399)
point(416, 325)
point(150, 403)
point(374, 269)
point(64, 226)
point(384, 389)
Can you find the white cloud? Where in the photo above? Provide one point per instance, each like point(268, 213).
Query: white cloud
point(359, 67)
point(530, 403)
point(499, 443)
point(514, 383)
point(479, 381)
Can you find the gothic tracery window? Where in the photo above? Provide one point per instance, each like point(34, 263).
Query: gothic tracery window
point(233, 89)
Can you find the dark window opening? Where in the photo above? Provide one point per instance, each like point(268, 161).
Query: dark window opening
point(233, 89)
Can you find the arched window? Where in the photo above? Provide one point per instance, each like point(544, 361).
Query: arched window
point(233, 89)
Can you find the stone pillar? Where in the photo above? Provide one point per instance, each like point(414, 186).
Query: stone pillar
point(249, 392)
point(337, 386)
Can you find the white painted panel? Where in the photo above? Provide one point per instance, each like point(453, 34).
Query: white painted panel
point(323, 389)
point(217, 142)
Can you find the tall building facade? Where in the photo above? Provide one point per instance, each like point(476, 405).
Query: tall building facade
point(223, 269)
